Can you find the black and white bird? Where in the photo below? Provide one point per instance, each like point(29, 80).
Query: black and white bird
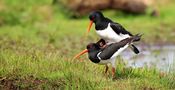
point(107, 54)
point(108, 30)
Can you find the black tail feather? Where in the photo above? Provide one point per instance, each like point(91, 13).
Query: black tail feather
point(135, 38)
point(134, 48)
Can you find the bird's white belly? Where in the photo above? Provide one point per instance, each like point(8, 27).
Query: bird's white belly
point(110, 36)
point(104, 62)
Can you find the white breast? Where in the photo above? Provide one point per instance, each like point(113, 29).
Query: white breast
point(103, 62)
point(110, 36)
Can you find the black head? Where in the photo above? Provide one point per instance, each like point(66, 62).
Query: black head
point(92, 47)
point(95, 16)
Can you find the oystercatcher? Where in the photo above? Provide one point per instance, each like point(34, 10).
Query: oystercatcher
point(108, 54)
point(108, 30)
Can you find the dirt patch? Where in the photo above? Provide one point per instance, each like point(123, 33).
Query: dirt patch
point(82, 7)
point(16, 84)
point(30, 83)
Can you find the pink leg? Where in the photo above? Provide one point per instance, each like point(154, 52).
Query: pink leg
point(113, 72)
point(104, 46)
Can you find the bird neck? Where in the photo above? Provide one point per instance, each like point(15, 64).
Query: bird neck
point(93, 56)
point(102, 23)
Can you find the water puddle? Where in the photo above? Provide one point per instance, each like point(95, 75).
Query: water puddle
point(161, 57)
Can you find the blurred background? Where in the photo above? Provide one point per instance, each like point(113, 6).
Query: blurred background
point(54, 30)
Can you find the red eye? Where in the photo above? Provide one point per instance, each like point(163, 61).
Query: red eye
point(89, 45)
point(93, 17)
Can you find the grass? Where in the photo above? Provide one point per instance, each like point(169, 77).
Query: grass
point(38, 41)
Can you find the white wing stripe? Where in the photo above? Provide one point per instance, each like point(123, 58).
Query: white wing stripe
point(99, 56)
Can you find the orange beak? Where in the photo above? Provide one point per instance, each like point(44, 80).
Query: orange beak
point(90, 25)
point(81, 53)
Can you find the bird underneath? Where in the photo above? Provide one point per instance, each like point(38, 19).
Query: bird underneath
point(108, 30)
point(104, 55)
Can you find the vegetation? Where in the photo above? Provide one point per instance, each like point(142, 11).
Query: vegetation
point(38, 41)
